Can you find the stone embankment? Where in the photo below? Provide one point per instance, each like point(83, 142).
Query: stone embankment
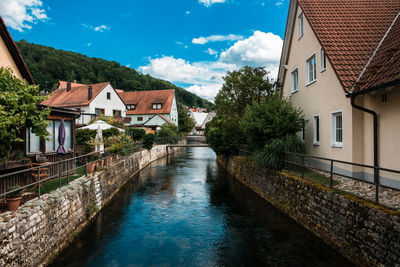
point(367, 234)
point(34, 234)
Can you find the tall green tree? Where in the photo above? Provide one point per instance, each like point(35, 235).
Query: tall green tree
point(19, 109)
point(185, 121)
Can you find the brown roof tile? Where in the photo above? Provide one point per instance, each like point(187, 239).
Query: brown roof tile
point(144, 100)
point(349, 31)
point(77, 96)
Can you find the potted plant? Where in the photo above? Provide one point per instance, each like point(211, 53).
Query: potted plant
point(13, 199)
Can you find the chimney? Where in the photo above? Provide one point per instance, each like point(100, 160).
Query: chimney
point(90, 92)
point(68, 86)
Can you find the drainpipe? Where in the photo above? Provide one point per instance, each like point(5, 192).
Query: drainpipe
point(376, 161)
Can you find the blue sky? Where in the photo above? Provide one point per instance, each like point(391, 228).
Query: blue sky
point(191, 43)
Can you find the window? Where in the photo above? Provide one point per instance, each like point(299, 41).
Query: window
point(300, 20)
point(108, 95)
point(316, 130)
point(117, 113)
point(99, 111)
point(337, 129)
point(140, 118)
point(295, 80)
point(131, 107)
point(323, 60)
point(157, 106)
point(53, 127)
point(311, 69)
point(32, 142)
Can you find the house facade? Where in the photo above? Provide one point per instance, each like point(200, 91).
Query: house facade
point(91, 100)
point(332, 68)
point(150, 109)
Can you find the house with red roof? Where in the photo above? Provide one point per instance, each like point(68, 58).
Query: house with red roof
point(91, 100)
point(150, 109)
point(340, 63)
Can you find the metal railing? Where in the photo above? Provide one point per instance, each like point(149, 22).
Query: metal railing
point(169, 140)
point(95, 159)
point(338, 171)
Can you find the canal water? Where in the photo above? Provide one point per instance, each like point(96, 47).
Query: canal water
point(185, 210)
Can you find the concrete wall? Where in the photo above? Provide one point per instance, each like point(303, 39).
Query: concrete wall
point(365, 233)
point(35, 233)
point(6, 59)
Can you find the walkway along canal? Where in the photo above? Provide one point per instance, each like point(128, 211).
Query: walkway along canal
point(185, 210)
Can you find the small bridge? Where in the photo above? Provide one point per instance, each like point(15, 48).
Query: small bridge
point(187, 145)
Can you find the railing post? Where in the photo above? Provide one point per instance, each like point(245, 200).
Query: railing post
point(39, 182)
point(331, 178)
point(67, 172)
point(86, 165)
point(59, 172)
point(376, 181)
point(302, 166)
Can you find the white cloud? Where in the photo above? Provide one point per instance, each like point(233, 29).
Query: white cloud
point(217, 38)
point(89, 44)
point(21, 14)
point(187, 12)
point(279, 2)
point(260, 49)
point(204, 78)
point(101, 28)
point(208, 3)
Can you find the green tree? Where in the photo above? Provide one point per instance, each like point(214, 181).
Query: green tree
point(148, 141)
point(242, 87)
point(223, 135)
point(271, 118)
point(185, 121)
point(135, 133)
point(19, 109)
point(168, 130)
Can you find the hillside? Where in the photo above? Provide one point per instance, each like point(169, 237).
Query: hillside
point(49, 65)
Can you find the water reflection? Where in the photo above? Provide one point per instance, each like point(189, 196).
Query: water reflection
point(185, 210)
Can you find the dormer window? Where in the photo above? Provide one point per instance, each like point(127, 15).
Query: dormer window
point(300, 20)
point(131, 107)
point(157, 106)
point(108, 96)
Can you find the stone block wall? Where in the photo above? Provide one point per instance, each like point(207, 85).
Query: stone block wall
point(35, 233)
point(367, 234)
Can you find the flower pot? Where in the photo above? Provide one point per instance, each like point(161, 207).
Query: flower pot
point(13, 203)
point(90, 167)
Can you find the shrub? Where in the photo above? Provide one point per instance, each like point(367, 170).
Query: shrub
point(170, 132)
point(83, 137)
point(136, 133)
point(273, 155)
point(148, 141)
point(223, 135)
point(15, 194)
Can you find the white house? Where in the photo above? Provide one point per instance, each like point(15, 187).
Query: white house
point(150, 109)
point(91, 100)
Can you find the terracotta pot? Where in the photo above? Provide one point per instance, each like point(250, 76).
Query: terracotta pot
point(90, 167)
point(13, 203)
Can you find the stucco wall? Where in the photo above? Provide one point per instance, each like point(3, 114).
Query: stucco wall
point(365, 233)
point(6, 59)
point(101, 101)
point(42, 227)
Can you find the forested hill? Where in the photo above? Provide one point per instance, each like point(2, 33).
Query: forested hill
point(49, 65)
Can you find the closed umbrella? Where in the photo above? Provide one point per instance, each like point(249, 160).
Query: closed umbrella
point(61, 139)
point(99, 137)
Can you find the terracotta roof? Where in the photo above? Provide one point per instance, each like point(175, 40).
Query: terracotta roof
point(349, 31)
point(144, 100)
point(77, 96)
point(63, 84)
point(16, 55)
point(384, 67)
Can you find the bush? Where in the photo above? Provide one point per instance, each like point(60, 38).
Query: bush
point(136, 133)
point(273, 155)
point(116, 143)
point(223, 136)
point(83, 137)
point(111, 132)
point(148, 141)
point(168, 130)
point(269, 119)
point(15, 194)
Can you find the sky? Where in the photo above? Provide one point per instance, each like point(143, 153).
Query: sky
point(191, 43)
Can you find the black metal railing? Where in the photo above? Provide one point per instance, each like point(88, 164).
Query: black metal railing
point(41, 173)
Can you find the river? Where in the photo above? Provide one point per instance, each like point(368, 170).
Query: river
point(185, 210)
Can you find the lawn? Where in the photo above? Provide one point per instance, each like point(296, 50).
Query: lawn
point(311, 175)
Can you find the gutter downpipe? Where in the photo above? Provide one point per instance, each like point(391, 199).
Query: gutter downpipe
point(375, 122)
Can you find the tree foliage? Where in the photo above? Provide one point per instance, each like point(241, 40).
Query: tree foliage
point(148, 141)
point(271, 118)
point(223, 135)
point(19, 109)
point(49, 65)
point(168, 130)
point(185, 121)
point(136, 133)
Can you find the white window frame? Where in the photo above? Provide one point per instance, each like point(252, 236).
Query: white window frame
point(323, 60)
point(313, 57)
point(294, 88)
point(300, 24)
point(317, 129)
point(335, 143)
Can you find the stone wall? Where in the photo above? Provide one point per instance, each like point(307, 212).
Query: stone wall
point(35, 233)
point(365, 233)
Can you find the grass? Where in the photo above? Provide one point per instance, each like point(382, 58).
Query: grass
point(311, 175)
point(53, 184)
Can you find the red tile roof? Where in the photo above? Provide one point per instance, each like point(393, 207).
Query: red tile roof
point(15, 54)
point(144, 100)
point(384, 67)
point(63, 84)
point(349, 31)
point(77, 96)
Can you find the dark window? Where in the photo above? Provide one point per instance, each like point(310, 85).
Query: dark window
point(108, 95)
point(157, 106)
point(117, 113)
point(131, 107)
point(140, 118)
point(99, 111)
